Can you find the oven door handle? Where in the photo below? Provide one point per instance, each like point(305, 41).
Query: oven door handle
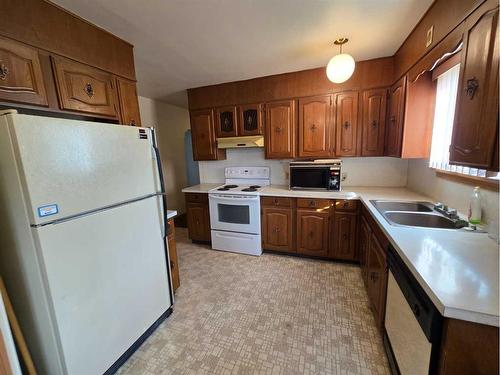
point(234, 198)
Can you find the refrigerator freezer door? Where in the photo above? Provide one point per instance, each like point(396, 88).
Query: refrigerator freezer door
point(107, 276)
point(68, 167)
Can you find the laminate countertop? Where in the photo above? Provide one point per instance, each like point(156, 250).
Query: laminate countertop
point(458, 270)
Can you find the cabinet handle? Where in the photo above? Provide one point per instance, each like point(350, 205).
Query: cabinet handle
point(275, 201)
point(132, 122)
point(392, 119)
point(346, 124)
point(4, 72)
point(472, 86)
point(374, 124)
point(276, 230)
point(313, 127)
point(89, 90)
point(172, 265)
point(373, 276)
point(311, 204)
point(345, 237)
point(278, 129)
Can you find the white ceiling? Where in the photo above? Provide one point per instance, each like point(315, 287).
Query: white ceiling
point(181, 44)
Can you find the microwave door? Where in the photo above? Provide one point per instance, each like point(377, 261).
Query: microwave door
point(314, 178)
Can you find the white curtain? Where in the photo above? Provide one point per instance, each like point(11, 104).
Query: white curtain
point(446, 95)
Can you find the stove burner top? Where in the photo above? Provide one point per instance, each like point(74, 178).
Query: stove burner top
point(249, 189)
point(255, 187)
point(223, 189)
point(230, 186)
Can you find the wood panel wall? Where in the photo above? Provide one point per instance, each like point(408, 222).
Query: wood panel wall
point(444, 15)
point(368, 74)
point(47, 26)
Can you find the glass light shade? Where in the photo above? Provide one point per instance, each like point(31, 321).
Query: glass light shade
point(340, 68)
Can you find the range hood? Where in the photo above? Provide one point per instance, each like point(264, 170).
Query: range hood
point(241, 142)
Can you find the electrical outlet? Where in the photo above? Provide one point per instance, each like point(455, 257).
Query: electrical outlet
point(343, 176)
point(430, 33)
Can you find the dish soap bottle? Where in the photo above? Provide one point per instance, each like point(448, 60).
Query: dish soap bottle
point(475, 207)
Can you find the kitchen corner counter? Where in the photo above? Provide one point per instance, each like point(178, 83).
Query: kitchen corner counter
point(458, 270)
point(171, 214)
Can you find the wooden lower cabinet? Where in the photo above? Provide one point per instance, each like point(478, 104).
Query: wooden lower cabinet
point(377, 278)
point(372, 250)
point(344, 235)
point(468, 348)
point(312, 232)
point(198, 217)
point(277, 229)
point(172, 252)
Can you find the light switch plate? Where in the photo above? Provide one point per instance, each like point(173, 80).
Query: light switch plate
point(430, 33)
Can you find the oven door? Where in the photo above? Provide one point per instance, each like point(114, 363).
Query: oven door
point(235, 213)
point(310, 177)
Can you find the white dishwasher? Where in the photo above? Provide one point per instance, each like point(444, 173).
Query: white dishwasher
point(412, 323)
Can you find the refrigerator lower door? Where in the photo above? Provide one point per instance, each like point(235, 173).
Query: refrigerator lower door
point(107, 277)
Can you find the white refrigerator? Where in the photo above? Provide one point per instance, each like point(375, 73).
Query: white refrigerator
point(82, 230)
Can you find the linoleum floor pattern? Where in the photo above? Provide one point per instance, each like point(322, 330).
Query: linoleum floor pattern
point(274, 314)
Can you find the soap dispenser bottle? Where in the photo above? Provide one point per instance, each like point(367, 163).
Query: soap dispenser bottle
point(475, 206)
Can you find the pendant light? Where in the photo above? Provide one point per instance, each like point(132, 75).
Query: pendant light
point(340, 67)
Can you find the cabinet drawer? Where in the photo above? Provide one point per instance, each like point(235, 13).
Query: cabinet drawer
point(346, 205)
point(313, 203)
point(197, 197)
point(85, 89)
point(276, 201)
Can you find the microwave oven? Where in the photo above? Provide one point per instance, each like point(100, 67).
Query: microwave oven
point(321, 174)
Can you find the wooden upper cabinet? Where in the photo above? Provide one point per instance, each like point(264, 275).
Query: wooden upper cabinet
point(277, 229)
point(312, 232)
point(84, 89)
point(21, 78)
point(250, 119)
point(373, 122)
point(394, 128)
point(203, 135)
point(346, 123)
point(226, 122)
point(315, 126)
point(129, 105)
point(475, 127)
point(280, 130)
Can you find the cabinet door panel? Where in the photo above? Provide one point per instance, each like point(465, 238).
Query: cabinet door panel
point(346, 123)
point(250, 119)
point(373, 127)
point(315, 126)
point(394, 129)
point(203, 135)
point(277, 229)
point(226, 122)
point(312, 232)
point(198, 220)
point(129, 106)
point(364, 248)
point(345, 236)
point(280, 130)
point(84, 89)
point(476, 115)
point(21, 77)
point(377, 279)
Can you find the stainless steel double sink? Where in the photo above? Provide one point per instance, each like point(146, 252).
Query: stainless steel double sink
point(415, 214)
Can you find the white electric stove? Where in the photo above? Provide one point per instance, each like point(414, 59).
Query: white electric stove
point(235, 210)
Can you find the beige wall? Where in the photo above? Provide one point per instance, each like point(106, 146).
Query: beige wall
point(423, 180)
point(170, 123)
point(359, 171)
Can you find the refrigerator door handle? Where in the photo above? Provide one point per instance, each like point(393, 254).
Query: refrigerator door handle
point(163, 208)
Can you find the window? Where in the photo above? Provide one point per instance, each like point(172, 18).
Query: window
point(446, 95)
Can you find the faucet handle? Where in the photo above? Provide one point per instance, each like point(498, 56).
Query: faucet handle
point(438, 205)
